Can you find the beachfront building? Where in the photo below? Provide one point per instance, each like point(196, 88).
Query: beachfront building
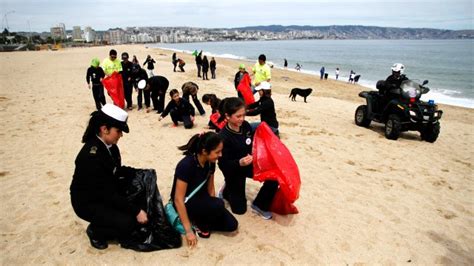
point(89, 34)
point(59, 31)
point(116, 36)
point(77, 34)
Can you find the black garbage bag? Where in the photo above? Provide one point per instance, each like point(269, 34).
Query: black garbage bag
point(157, 234)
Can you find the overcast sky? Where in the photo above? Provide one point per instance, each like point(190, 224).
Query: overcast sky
point(102, 15)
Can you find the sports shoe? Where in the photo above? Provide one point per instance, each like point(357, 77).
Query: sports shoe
point(202, 234)
point(220, 194)
point(267, 215)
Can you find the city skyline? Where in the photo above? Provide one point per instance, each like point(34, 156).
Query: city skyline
point(40, 16)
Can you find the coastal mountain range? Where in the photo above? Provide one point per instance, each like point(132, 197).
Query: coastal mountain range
point(366, 32)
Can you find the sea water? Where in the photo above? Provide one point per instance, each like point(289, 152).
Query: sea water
point(447, 64)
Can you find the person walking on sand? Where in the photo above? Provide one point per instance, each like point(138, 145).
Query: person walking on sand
point(199, 64)
point(200, 212)
point(285, 64)
point(205, 68)
point(111, 64)
point(261, 71)
point(174, 60)
point(322, 71)
point(337, 73)
point(94, 77)
point(150, 62)
point(212, 65)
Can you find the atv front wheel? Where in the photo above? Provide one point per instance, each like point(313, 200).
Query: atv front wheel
point(361, 116)
point(393, 127)
point(430, 132)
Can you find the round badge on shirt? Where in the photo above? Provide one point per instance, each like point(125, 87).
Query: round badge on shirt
point(248, 141)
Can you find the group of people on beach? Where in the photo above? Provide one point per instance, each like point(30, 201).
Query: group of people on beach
point(95, 191)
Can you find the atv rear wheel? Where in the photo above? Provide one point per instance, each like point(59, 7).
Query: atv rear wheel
point(430, 132)
point(361, 116)
point(393, 127)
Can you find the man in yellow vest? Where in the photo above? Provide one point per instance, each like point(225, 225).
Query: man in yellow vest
point(261, 71)
point(111, 64)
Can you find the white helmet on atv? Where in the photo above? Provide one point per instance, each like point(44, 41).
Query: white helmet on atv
point(398, 67)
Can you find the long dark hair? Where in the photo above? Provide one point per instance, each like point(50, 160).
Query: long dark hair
point(230, 105)
point(215, 102)
point(199, 142)
point(97, 120)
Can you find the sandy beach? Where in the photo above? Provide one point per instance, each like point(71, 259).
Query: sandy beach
point(363, 200)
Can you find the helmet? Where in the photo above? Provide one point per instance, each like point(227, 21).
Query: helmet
point(398, 67)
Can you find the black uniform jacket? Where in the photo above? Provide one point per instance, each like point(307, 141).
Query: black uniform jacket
point(97, 176)
point(236, 145)
point(265, 107)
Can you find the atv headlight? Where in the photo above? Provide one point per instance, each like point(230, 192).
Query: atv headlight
point(412, 113)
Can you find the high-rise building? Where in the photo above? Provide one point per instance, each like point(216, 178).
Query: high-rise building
point(77, 33)
point(89, 34)
point(59, 31)
point(116, 36)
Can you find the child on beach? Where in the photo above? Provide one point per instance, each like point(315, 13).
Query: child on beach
point(179, 109)
point(94, 75)
point(150, 65)
point(265, 107)
point(239, 76)
point(212, 66)
point(337, 73)
point(205, 68)
point(203, 209)
point(174, 61)
point(214, 102)
point(236, 162)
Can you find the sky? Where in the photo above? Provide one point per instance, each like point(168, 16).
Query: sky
point(40, 15)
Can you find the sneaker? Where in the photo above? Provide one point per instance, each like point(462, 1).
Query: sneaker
point(202, 234)
point(220, 194)
point(267, 215)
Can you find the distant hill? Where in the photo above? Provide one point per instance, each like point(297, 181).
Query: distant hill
point(367, 32)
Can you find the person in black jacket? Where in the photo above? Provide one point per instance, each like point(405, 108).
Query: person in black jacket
point(205, 68)
point(158, 85)
point(191, 89)
point(127, 80)
point(196, 169)
point(180, 110)
point(138, 74)
point(174, 60)
point(265, 107)
point(236, 162)
point(199, 64)
point(94, 75)
point(212, 65)
point(150, 65)
point(238, 77)
point(95, 193)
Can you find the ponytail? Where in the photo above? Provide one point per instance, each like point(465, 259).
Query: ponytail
point(93, 128)
point(199, 142)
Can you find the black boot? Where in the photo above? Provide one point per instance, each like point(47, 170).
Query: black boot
point(98, 244)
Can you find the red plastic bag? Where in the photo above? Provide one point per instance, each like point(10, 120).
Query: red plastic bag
point(214, 119)
point(114, 86)
point(273, 161)
point(245, 89)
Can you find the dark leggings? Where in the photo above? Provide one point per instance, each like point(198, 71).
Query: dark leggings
point(196, 102)
point(186, 119)
point(98, 93)
point(209, 213)
point(128, 90)
point(146, 95)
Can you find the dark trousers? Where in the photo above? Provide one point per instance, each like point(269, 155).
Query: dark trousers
point(178, 117)
point(204, 75)
point(158, 99)
point(209, 213)
point(196, 102)
point(265, 195)
point(107, 222)
point(174, 66)
point(199, 70)
point(146, 95)
point(128, 90)
point(181, 67)
point(213, 73)
point(234, 193)
point(98, 93)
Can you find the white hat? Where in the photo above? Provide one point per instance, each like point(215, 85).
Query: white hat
point(398, 67)
point(141, 84)
point(117, 117)
point(264, 86)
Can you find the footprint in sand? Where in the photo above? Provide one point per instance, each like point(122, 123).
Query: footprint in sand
point(446, 214)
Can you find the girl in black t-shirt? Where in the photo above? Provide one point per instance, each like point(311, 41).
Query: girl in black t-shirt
point(203, 209)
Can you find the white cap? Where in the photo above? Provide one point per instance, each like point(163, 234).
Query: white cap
point(117, 116)
point(398, 67)
point(264, 86)
point(141, 84)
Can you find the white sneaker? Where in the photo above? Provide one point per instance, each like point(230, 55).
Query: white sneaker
point(267, 215)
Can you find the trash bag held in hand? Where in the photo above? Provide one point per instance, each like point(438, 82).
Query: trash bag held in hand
point(245, 89)
point(114, 86)
point(215, 120)
point(273, 161)
point(157, 234)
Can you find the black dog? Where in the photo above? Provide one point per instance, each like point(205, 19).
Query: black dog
point(301, 92)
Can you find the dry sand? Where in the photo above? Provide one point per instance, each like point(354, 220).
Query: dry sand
point(364, 199)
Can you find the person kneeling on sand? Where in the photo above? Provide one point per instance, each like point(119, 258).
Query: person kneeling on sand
point(95, 195)
point(236, 162)
point(180, 110)
point(265, 107)
point(196, 172)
